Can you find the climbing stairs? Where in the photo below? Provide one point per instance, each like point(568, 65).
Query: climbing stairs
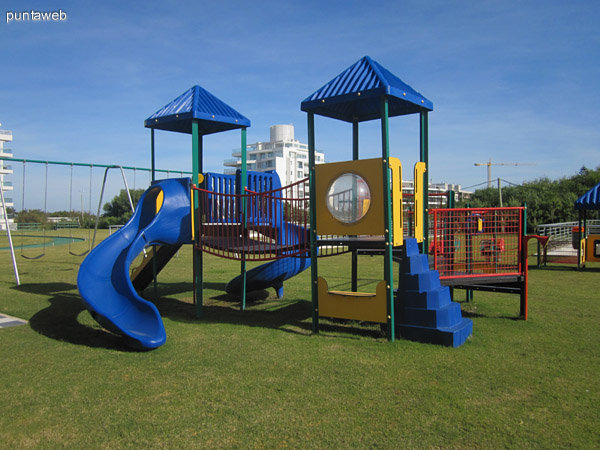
point(424, 309)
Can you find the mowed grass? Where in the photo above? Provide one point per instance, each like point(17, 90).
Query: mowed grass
point(260, 379)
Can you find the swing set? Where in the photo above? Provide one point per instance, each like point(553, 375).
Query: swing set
point(43, 226)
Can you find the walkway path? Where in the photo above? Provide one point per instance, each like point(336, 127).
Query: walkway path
point(8, 321)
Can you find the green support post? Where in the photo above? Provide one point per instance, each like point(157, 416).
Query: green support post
point(197, 169)
point(314, 273)
point(243, 179)
point(77, 164)
point(469, 257)
point(387, 202)
point(153, 169)
point(451, 199)
point(153, 159)
point(580, 223)
point(354, 287)
point(425, 158)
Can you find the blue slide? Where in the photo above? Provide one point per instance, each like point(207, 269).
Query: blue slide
point(162, 217)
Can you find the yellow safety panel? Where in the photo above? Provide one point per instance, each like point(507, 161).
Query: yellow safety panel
point(192, 194)
point(369, 170)
point(159, 200)
point(353, 305)
point(420, 170)
point(397, 219)
point(592, 252)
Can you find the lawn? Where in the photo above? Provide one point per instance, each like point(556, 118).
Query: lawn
point(260, 379)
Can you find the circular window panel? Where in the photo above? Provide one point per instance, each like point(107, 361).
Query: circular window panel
point(348, 198)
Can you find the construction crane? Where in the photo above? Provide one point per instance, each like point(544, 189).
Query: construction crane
point(489, 165)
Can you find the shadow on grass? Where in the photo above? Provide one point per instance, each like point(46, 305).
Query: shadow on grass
point(476, 315)
point(59, 320)
point(565, 268)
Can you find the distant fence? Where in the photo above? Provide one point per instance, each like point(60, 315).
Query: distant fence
point(560, 248)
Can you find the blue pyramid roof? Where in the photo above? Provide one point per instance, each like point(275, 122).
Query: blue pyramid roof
point(589, 200)
point(213, 115)
point(355, 94)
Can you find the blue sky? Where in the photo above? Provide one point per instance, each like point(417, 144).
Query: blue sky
point(514, 81)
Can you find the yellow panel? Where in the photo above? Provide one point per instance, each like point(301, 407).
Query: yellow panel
point(353, 305)
point(369, 170)
point(159, 200)
point(592, 251)
point(397, 220)
point(192, 214)
point(420, 170)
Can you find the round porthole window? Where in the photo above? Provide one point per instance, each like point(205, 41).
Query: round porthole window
point(348, 198)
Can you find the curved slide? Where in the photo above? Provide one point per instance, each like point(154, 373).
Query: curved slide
point(162, 217)
point(273, 273)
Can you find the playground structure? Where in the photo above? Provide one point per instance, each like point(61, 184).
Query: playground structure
point(587, 239)
point(353, 206)
point(573, 242)
point(367, 91)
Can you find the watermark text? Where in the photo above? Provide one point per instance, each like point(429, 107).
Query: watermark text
point(36, 16)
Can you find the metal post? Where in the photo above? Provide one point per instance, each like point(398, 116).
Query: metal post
point(243, 182)
point(579, 242)
point(68, 163)
point(469, 258)
point(500, 192)
point(102, 195)
point(425, 158)
point(196, 170)
point(524, 269)
point(153, 161)
point(10, 242)
point(387, 209)
point(354, 287)
point(451, 199)
point(314, 273)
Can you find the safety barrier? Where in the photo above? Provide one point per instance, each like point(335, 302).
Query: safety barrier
point(256, 226)
point(478, 242)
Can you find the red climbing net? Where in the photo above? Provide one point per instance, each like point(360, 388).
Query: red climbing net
point(476, 242)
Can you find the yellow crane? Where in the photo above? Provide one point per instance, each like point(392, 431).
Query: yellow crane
point(489, 165)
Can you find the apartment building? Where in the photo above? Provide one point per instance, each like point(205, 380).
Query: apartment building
point(5, 170)
point(282, 153)
point(437, 193)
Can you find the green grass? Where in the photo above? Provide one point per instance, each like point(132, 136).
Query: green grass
point(260, 379)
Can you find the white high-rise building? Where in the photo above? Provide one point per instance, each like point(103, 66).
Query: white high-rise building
point(283, 153)
point(5, 169)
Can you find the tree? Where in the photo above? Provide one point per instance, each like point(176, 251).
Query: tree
point(548, 201)
point(118, 210)
point(31, 216)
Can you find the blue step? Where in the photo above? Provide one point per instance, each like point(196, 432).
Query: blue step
point(435, 298)
point(424, 308)
point(421, 282)
point(414, 264)
point(411, 247)
point(453, 336)
point(446, 316)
